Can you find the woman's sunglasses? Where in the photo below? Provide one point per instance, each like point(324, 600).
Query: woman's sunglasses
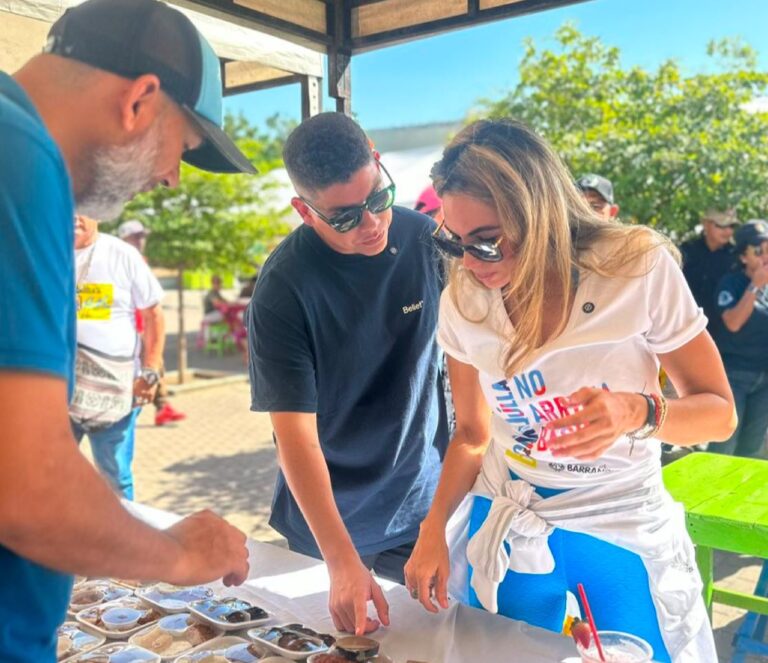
point(448, 244)
point(350, 218)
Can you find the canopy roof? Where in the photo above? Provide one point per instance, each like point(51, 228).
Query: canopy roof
point(341, 28)
point(263, 43)
point(250, 59)
point(359, 25)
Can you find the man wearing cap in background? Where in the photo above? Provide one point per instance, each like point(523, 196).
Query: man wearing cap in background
point(598, 192)
point(742, 305)
point(707, 258)
point(429, 202)
point(124, 89)
point(134, 233)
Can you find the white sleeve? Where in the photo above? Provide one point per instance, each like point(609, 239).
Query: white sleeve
point(448, 325)
point(675, 318)
point(146, 290)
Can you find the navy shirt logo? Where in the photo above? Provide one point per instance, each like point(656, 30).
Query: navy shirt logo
point(724, 298)
point(416, 306)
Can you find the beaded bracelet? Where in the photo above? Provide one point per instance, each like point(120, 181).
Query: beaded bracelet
point(661, 411)
point(657, 415)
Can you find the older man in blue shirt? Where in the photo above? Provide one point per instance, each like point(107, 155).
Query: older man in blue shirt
point(124, 89)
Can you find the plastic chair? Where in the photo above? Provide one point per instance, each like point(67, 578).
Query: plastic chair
point(219, 338)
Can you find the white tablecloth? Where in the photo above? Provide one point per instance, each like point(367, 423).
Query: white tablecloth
point(295, 588)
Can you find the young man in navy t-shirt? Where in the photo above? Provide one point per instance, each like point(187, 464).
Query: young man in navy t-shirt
point(343, 356)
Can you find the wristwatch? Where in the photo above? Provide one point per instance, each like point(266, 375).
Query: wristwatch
point(150, 376)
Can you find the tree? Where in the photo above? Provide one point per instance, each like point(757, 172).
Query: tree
point(216, 222)
point(673, 144)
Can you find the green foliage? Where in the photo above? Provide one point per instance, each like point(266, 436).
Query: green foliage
point(217, 222)
point(263, 146)
point(673, 144)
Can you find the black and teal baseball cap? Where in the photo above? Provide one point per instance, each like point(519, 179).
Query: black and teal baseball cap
point(602, 185)
point(131, 38)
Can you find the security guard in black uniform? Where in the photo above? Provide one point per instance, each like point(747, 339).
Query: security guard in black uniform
point(707, 258)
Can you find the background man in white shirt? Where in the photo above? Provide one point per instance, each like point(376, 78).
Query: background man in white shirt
point(114, 283)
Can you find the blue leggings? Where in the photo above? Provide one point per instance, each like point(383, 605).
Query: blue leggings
point(615, 580)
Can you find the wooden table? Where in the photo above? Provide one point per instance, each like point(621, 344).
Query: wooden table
point(726, 505)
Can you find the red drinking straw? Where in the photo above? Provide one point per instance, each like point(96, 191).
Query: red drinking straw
point(591, 621)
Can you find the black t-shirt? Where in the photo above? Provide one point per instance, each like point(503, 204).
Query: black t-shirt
point(746, 349)
point(353, 339)
point(703, 270)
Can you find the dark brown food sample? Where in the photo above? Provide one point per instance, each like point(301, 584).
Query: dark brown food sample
point(295, 642)
point(197, 634)
point(247, 615)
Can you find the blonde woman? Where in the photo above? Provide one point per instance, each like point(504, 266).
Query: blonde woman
point(555, 323)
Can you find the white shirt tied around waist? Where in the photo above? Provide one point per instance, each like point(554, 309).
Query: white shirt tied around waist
point(638, 515)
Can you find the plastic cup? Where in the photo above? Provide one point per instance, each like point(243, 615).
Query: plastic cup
point(618, 647)
point(121, 619)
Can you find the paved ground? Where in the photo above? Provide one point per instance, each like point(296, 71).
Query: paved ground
point(222, 457)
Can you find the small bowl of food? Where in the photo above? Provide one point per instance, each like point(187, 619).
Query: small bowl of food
point(120, 618)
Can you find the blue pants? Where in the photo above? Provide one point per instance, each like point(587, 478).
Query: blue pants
point(113, 451)
point(615, 580)
point(750, 392)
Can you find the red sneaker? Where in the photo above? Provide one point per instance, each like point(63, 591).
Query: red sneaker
point(167, 414)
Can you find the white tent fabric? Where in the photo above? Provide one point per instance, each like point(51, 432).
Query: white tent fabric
point(24, 25)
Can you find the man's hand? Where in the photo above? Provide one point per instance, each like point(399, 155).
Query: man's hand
point(760, 277)
point(352, 586)
point(143, 393)
point(209, 549)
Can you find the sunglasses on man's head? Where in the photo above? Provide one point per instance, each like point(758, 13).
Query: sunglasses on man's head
point(449, 244)
point(348, 219)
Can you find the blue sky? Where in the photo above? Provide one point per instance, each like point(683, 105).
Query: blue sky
point(439, 78)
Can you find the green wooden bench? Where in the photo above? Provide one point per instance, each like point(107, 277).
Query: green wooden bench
point(726, 505)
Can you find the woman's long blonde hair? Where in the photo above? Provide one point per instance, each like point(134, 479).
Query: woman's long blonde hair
point(543, 215)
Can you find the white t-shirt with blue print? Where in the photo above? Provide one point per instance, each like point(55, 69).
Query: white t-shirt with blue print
point(617, 328)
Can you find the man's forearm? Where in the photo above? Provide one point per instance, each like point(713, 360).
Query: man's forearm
point(76, 523)
point(307, 475)
point(54, 508)
point(154, 336)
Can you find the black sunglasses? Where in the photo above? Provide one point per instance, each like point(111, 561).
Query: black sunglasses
point(350, 218)
point(487, 251)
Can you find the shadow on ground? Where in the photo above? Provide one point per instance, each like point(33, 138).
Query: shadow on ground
point(728, 564)
point(735, 572)
point(240, 482)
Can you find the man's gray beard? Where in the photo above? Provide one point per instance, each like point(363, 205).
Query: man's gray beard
point(118, 173)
